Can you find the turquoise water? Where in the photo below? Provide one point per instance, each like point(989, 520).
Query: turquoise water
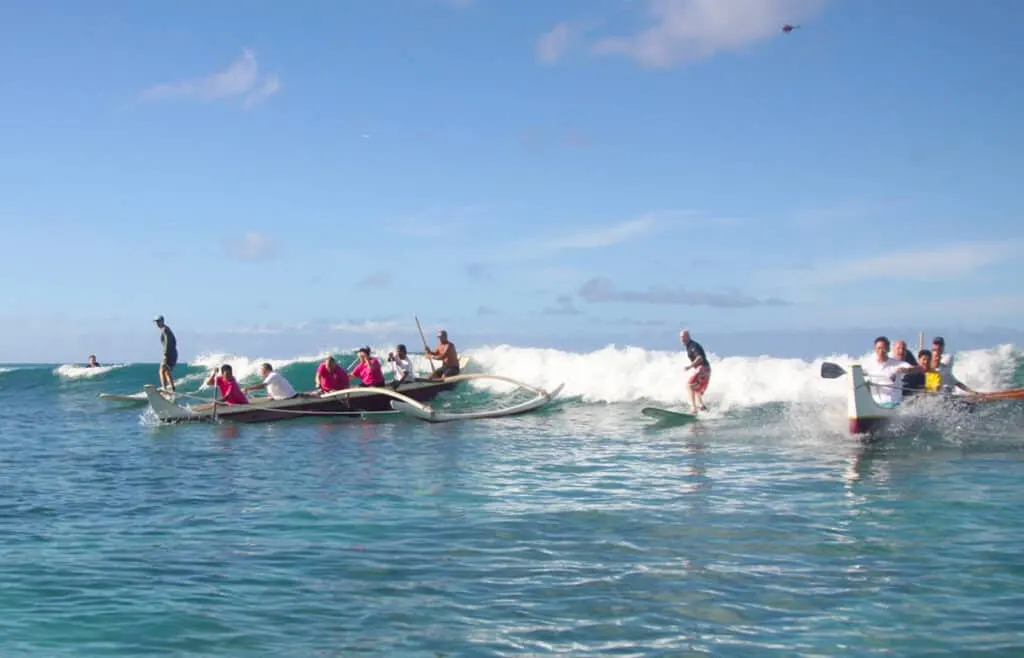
point(577, 530)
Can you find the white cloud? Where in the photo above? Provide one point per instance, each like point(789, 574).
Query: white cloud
point(687, 30)
point(928, 265)
point(251, 246)
point(366, 326)
point(554, 43)
point(241, 79)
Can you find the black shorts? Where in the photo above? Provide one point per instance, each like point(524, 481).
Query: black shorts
point(446, 371)
point(170, 362)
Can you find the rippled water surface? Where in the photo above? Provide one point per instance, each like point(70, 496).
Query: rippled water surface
point(575, 531)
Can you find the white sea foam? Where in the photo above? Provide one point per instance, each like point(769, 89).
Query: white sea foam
point(71, 371)
point(631, 374)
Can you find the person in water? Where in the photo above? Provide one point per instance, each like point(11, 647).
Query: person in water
point(446, 354)
point(330, 376)
point(402, 371)
point(700, 379)
point(230, 391)
point(170, 354)
point(93, 363)
point(278, 388)
point(368, 369)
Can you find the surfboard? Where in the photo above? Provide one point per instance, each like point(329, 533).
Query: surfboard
point(668, 417)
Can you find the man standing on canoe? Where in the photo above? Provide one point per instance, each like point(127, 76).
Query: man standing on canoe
point(699, 380)
point(170, 357)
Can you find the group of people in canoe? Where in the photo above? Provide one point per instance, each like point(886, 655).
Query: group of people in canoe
point(894, 372)
point(329, 377)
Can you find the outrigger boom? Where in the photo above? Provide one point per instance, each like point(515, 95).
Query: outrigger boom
point(410, 399)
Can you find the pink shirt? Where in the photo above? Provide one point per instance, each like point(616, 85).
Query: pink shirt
point(334, 379)
point(370, 374)
point(230, 391)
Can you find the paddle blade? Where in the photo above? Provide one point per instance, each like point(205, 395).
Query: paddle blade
point(831, 370)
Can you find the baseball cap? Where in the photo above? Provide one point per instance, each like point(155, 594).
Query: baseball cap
point(158, 318)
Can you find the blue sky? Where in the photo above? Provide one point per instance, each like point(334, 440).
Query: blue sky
point(569, 173)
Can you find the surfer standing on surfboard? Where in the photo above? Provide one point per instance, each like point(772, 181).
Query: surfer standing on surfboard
point(699, 380)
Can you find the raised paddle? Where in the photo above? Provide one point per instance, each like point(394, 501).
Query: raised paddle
point(831, 370)
point(426, 350)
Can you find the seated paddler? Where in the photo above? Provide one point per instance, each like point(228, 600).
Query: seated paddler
point(368, 369)
point(278, 388)
point(402, 371)
point(230, 391)
point(885, 375)
point(446, 354)
point(330, 376)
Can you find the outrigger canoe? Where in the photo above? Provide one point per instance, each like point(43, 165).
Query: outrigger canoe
point(870, 418)
point(352, 402)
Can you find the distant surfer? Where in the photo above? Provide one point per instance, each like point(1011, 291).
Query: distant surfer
point(699, 380)
point(170, 355)
point(93, 363)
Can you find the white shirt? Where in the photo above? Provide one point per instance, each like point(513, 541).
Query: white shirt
point(278, 387)
point(886, 379)
point(949, 380)
point(401, 366)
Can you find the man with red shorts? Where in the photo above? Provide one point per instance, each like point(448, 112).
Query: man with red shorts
point(698, 380)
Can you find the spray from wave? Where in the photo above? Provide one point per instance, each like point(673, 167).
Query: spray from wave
point(69, 371)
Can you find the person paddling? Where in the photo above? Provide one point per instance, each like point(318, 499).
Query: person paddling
point(230, 391)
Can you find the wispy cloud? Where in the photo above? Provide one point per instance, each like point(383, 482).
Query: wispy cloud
point(479, 272)
point(240, 80)
point(378, 280)
point(608, 236)
point(250, 246)
point(366, 326)
point(563, 305)
point(681, 31)
point(555, 42)
point(485, 311)
point(602, 290)
point(922, 265)
point(438, 222)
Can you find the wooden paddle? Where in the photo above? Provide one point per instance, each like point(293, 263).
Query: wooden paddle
point(426, 350)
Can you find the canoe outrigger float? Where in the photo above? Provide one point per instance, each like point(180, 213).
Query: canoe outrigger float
point(867, 417)
point(360, 402)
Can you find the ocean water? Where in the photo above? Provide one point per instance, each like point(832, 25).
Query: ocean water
point(763, 529)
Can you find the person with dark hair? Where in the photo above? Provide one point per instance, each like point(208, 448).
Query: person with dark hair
point(278, 388)
point(914, 382)
point(368, 369)
point(945, 369)
point(230, 392)
point(402, 371)
point(883, 375)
